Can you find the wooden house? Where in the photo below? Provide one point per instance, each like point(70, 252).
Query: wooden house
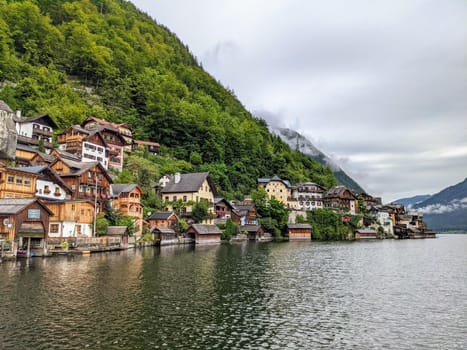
point(88, 145)
point(165, 235)
point(24, 155)
point(25, 221)
point(298, 232)
point(366, 234)
point(204, 234)
point(120, 232)
point(194, 187)
point(223, 210)
point(71, 218)
point(14, 182)
point(341, 198)
point(122, 128)
point(245, 214)
point(163, 219)
point(276, 188)
point(87, 180)
point(151, 147)
point(126, 199)
point(254, 232)
point(35, 130)
point(48, 185)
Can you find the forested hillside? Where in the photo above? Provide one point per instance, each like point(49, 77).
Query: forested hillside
point(105, 58)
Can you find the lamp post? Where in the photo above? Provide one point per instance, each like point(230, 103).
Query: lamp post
point(95, 205)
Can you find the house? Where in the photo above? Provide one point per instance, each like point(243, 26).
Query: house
point(165, 235)
point(204, 234)
point(14, 182)
point(71, 218)
point(223, 210)
point(25, 221)
point(165, 219)
point(298, 232)
point(88, 145)
point(189, 188)
point(245, 214)
point(24, 155)
point(40, 158)
point(122, 128)
point(127, 201)
point(254, 232)
point(366, 234)
point(35, 130)
point(151, 147)
point(48, 185)
point(87, 180)
point(308, 196)
point(276, 188)
point(119, 232)
point(370, 201)
point(341, 198)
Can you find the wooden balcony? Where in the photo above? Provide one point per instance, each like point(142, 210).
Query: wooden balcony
point(41, 132)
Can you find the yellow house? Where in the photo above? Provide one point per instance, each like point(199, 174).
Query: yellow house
point(276, 188)
point(15, 183)
point(194, 187)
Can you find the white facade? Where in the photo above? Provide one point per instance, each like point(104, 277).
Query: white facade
point(28, 129)
point(309, 196)
point(49, 190)
point(91, 152)
point(385, 221)
point(69, 229)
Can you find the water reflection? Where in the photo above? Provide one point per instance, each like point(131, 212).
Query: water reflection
point(407, 294)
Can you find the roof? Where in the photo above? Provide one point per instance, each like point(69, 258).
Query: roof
point(105, 122)
point(299, 226)
point(122, 188)
point(161, 215)
point(206, 229)
point(46, 157)
point(5, 107)
point(147, 143)
point(117, 230)
point(250, 228)
point(163, 230)
point(42, 119)
point(36, 169)
point(15, 205)
point(65, 154)
point(366, 231)
point(265, 180)
point(338, 191)
point(188, 183)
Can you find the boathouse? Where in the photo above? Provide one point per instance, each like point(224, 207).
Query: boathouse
point(298, 232)
point(204, 234)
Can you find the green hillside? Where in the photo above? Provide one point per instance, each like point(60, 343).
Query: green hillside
point(105, 58)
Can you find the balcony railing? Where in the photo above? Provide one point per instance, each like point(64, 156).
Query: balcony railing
point(37, 131)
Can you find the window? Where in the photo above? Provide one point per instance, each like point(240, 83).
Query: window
point(174, 198)
point(90, 174)
point(54, 228)
point(73, 188)
point(78, 229)
point(72, 207)
point(19, 180)
point(184, 198)
point(46, 189)
point(166, 198)
point(81, 188)
point(82, 211)
point(27, 181)
point(11, 179)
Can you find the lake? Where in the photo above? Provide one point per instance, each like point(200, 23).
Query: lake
point(409, 294)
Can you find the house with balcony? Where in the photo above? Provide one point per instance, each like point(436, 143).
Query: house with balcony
point(245, 214)
point(126, 199)
point(35, 130)
point(141, 146)
point(122, 128)
point(163, 219)
point(276, 188)
point(341, 198)
point(308, 196)
point(223, 210)
point(71, 218)
point(48, 185)
point(87, 180)
point(189, 188)
point(87, 145)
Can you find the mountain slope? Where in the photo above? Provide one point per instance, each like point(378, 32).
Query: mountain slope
point(299, 142)
point(409, 202)
point(75, 58)
point(446, 210)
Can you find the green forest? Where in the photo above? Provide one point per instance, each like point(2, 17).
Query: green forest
point(72, 59)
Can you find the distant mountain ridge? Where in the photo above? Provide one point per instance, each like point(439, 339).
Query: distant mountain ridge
point(409, 202)
point(297, 141)
point(445, 210)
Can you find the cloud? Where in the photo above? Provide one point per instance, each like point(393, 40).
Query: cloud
point(454, 205)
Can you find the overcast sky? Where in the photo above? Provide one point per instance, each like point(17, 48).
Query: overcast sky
point(380, 86)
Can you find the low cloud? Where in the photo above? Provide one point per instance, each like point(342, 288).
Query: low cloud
point(454, 205)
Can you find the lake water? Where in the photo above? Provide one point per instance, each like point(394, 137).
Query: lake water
point(409, 294)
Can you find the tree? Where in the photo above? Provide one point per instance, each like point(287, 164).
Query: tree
point(200, 211)
point(260, 199)
point(127, 221)
point(230, 230)
point(101, 224)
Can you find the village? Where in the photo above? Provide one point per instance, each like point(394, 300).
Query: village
point(52, 190)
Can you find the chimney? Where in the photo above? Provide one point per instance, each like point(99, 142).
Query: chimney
point(18, 113)
point(177, 178)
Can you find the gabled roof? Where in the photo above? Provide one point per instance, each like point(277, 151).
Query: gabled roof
point(166, 230)
point(338, 192)
point(265, 180)
point(146, 143)
point(13, 206)
point(123, 188)
point(206, 229)
point(48, 158)
point(64, 154)
point(299, 226)
point(117, 230)
point(37, 169)
point(220, 199)
point(43, 119)
point(104, 122)
point(162, 215)
point(45, 171)
point(250, 228)
point(188, 183)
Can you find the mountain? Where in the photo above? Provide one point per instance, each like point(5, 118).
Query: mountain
point(411, 201)
point(75, 58)
point(298, 142)
point(446, 210)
